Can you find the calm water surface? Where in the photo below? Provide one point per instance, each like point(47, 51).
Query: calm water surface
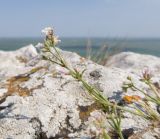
point(144, 46)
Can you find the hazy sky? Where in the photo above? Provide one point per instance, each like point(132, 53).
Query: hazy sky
point(102, 18)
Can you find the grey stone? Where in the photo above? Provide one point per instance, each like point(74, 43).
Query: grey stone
point(46, 100)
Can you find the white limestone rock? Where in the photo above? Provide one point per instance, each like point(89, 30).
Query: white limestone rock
point(134, 62)
point(46, 102)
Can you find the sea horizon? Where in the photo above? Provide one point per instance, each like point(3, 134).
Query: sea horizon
point(79, 45)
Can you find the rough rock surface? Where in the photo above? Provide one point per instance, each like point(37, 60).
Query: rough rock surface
point(134, 62)
point(43, 101)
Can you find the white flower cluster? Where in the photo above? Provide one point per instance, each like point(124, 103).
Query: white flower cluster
point(49, 31)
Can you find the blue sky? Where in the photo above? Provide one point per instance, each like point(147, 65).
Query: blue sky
point(81, 18)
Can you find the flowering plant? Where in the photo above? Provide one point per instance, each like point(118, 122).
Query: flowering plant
point(111, 108)
point(51, 39)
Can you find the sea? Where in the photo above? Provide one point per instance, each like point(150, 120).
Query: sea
point(83, 46)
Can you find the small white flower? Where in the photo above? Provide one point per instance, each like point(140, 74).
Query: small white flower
point(56, 40)
point(47, 31)
point(146, 73)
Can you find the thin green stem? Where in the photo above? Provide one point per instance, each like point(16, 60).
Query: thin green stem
point(120, 134)
point(141, 91)
point(154, 90)
point(96, 94)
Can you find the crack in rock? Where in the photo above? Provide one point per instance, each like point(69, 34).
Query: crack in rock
point(37, 125)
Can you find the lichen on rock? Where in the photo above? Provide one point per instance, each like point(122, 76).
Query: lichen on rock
point(56, 106)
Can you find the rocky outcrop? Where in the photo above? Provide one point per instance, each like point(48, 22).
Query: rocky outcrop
point(43, 102)
point(134, 62)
